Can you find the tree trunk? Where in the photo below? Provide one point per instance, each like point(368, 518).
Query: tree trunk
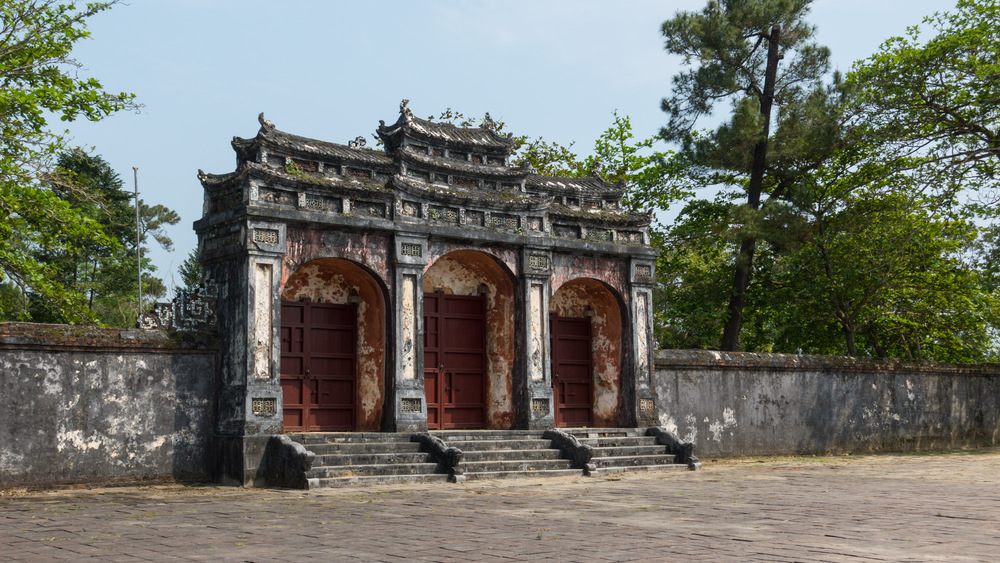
point(744, 262)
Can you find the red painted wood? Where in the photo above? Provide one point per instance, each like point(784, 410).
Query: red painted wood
point(572, 371)
point(318, 375)
point(455, 360)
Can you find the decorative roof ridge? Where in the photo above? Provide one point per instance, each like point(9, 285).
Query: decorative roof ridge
point(602, 216)
point(208, 179)
point(595, 183)
point(516, 201)
point(409, 155)
point(262, 171)
point(484, 134)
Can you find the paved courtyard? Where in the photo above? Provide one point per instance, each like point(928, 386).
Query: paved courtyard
point(853, 508)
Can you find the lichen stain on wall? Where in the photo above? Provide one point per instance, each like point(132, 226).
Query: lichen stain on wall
point(330, 280)
point(572, 300)
point(568, 267)
point(305, 245)
point(461, 273)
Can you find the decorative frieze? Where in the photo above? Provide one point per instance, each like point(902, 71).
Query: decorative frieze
point(264, 406)
point(502, 221)
point(222, 241)
point(602, 235)
point(443, 214)
point(566, 231)
point(265, 236)
point(370, 209)
point(539, 407)
point(644, 273)
point(538, 262)
point(475, 218)
point(410, 249)
point(410, 406)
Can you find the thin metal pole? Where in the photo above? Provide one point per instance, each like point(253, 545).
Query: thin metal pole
point(138, 249)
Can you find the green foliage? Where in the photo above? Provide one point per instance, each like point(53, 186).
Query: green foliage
point(191, 272)
point(734, 48)
point(939, 98)
point(101, 272)
point(39, 80)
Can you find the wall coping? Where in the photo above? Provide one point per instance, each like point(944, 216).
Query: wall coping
point(57, 337)
point(708, 359)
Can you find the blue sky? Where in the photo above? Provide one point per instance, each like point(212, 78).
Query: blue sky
point(332, 69)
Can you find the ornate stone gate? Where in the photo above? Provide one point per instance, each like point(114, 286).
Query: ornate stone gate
point(439, 211)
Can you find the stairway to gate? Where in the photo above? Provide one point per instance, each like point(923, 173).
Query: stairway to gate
point(352, 458)
point(348, 458)
point(621, 450)
point(502, 454)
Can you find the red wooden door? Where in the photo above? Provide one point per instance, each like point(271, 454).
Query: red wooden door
point(572, 371)
point(455, 360)
point(318, 377)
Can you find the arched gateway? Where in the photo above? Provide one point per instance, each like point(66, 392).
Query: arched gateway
point(427, 285)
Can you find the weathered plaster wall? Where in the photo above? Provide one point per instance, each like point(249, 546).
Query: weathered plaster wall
point(331, 280)
point(89, 404)
point(305, 245)
point(461, 273)
point(611, 270)
point(734, 404)
point(572, 300)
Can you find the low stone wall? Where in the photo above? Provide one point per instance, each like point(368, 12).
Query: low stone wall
point(739, 404)
point(86, 404)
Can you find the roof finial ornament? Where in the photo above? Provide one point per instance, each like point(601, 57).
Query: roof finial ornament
point(263, 122)
point(404, 109)
point(488, 123)
point(598, 168)
point(359, 142)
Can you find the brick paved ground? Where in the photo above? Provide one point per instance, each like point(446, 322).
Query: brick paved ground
point(872, 508)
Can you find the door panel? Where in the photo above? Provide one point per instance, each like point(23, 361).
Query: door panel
point(318, 376)
point(455, 360)
point(572, 371)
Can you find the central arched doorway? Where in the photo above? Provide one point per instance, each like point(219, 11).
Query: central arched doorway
point(468, 342)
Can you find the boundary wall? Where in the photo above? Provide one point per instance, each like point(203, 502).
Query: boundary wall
point(745, 404)
point(96, 405)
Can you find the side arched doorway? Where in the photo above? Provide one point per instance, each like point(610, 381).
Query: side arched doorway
point(332, 348)
point(468, 342)
point(586, 333)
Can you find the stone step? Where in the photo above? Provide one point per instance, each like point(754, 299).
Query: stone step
point(604, 471)
point(473, 476)
point(371, 458)
point(316, 483)
point(619, 441)
point(508, 445)
point(372, 469)
point(500, 455)
point(632, 461)
point(515, 465)
point(621, 451)
point(604, 432)
point(363, 448)
point(309, 438)
point(487, 434)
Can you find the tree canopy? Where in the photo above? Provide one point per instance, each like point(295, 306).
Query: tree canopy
point(39, 80)
point(939, 98)
point(734, 48)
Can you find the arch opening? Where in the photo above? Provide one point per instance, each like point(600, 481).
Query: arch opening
point(333, 347)
point(459, 334)
point(587, 336)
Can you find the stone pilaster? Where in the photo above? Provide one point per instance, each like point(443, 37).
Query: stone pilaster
point(409, 402)
point(641, 279)
point(537, 403)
